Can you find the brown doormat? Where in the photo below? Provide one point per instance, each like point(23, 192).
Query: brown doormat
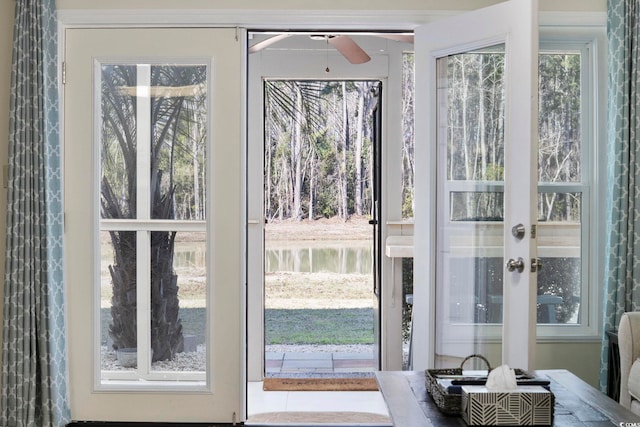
point(320, 384)
point(312, 418)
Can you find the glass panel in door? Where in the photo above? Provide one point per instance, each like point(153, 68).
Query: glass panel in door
point(153, 164)
point(470, 170)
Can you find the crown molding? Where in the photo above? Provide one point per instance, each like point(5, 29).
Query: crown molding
point(272, 19)
point(253, 19)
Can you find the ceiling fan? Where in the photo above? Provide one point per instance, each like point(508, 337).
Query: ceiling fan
point(342, 43)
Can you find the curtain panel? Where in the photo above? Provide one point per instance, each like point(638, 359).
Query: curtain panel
point(622, 279)
point(34, 373)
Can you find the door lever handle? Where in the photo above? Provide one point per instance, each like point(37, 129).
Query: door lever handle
point(515, 265)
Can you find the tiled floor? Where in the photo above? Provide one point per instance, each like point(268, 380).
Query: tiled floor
point(318, 363)
point(260, 401)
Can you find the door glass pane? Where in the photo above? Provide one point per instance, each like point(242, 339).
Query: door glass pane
point(118, 141)
point(559, 249)
point(118, 299)
point(188, 279)
point(153, 173)
point(560, 139)
point(179, 120)
point(470, 191)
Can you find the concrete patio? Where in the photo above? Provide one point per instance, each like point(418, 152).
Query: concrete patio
point(301, 363)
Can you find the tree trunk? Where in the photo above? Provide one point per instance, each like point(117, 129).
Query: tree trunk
point(267, 167)
point(312, 187)
point(362, 89)
point(482, 141)
point(296, 152)
point(197, 214)
point(343, 164)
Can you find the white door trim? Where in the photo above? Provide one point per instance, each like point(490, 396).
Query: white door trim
point(293, 19)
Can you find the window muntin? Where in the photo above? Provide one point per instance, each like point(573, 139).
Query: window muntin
point(153, 287)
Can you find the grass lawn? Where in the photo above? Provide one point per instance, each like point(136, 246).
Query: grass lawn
point(300, 308)
point(319, 326)
point(289, 326)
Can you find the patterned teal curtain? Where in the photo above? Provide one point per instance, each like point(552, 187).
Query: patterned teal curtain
point(622, 280)
point(34, 373)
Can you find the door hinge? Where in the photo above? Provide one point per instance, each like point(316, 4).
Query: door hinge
point(64, 73)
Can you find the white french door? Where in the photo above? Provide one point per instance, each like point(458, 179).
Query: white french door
point(154, 226)
point(476, 187)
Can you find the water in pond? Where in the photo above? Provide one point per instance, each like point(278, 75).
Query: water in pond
point(351, 257)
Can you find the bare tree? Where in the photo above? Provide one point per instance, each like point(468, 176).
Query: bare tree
point(344, 198)
point(297, 138)
point(358, 151)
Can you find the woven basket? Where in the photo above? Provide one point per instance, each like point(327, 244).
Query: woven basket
point(450, 404)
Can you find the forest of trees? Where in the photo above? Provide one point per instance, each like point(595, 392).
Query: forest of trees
point(318, 148)
point(560, 135)
point(475, 133)
point(318, 140)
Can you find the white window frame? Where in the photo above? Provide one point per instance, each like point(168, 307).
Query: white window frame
point(591, 44)
point(587, 43)
point(142, 376)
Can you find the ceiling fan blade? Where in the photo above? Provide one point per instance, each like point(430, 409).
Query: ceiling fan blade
point(349, 49)
point(268, 42)
point(404, 38)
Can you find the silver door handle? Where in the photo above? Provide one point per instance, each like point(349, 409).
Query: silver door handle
point(518, 231)
point(515, 265)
